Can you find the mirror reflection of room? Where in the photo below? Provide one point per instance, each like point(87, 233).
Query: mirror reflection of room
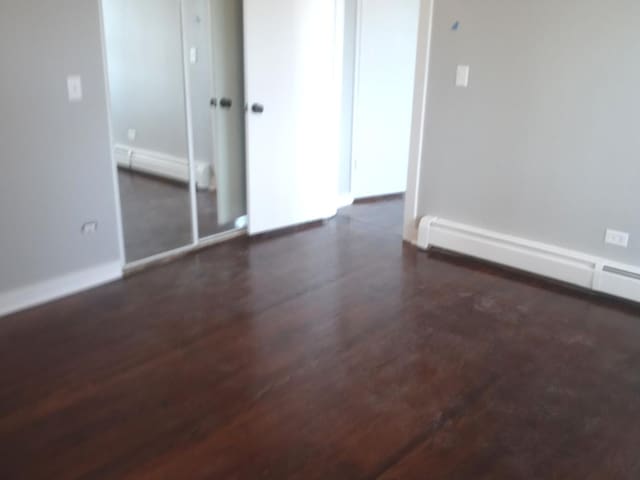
point(153, 47)
point(214, 42)
point(146, 78)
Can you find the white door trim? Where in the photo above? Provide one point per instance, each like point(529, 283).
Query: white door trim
point(112, 157)
point(423, 54)
point(356, 93)
point(338, 73)
point(186, 70)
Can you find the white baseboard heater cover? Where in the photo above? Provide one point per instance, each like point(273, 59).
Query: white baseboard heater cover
point(162, 165)
point(577, 268)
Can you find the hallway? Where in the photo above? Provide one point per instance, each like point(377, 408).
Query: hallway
point(332, 352)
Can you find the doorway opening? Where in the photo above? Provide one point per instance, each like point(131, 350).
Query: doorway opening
point(377, 98)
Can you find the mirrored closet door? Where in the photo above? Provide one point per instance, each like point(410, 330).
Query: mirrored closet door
point(144, 47)
point(213, 38)
point(176, 80)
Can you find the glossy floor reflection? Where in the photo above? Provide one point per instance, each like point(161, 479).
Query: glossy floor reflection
point(333, 352)
point(156, 214)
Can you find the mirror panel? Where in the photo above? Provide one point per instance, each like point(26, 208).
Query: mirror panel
point(145, 64)
point(214, 44)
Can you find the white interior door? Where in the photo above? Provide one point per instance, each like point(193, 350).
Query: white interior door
point(386, 50)
point(229, 137)
point(292, 76)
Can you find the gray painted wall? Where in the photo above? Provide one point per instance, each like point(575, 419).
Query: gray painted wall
point(198, 35)
point(544, 144)
point(144, 51)
point(144, 54)
point(56, 168)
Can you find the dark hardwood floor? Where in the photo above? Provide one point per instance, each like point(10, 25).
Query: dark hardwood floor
point(333, 352)
point(156, 214)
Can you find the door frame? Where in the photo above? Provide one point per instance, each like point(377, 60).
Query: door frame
point(356, 94)
point(112, 157)
point(416, 149)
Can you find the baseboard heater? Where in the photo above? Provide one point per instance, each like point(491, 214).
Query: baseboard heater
point(577, 268)
point(162, 165)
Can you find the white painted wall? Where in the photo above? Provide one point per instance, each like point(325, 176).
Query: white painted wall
point(57, 171)
point(384, 95)
point(198, 35)
point(543, 144)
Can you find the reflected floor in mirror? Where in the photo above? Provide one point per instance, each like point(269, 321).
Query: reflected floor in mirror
point(156, 214)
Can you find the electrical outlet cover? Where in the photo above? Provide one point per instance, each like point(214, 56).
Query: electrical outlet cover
point(617, 238)
point(89, 228)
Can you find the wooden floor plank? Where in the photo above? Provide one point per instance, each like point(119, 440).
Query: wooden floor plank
point(330, 352)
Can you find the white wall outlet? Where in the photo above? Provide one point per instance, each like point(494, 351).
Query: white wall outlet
point(74, 88)
point(89, 228)
point(132, 134)
point(462, 76)
point(619, 239)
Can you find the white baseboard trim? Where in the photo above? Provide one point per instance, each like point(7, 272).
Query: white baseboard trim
point(161, 165)
point(577, 268)
point(55, 288)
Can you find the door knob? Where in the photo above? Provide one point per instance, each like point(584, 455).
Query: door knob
point(257, 108)
point(226, 102)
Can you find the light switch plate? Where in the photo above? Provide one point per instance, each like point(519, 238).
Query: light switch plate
point(193, 55)
point(462, 76)
point(74, 88)
point(619, 239)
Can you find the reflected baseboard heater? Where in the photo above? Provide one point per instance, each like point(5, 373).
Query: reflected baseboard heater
point(161, 165)
point(594, 273)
